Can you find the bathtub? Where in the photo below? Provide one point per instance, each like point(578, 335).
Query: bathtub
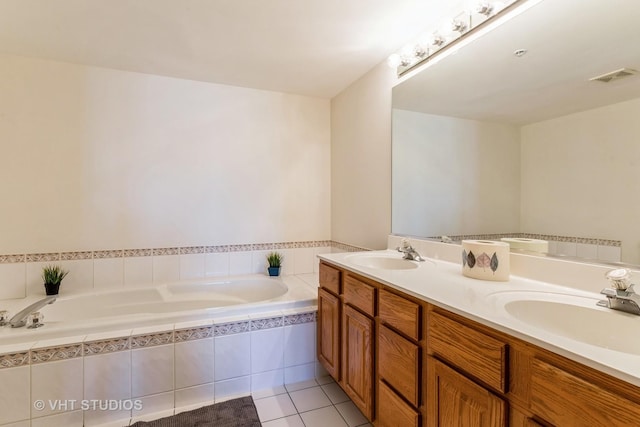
point(167, 348)
point(84, 313)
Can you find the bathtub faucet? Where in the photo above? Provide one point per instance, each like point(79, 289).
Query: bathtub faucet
point(20, 319)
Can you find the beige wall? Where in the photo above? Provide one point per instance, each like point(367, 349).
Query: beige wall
point(454, 176)
point(580, 176)
point(95, 158)
point(361, 160)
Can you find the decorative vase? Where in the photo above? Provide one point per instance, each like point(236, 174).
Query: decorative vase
point(274, 271)
point(52, 288)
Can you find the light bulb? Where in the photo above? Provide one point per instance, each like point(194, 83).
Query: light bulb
point(484, 8)
point(394, 60)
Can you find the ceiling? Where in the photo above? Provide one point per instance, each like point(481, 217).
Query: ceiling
point(308, 47)
point(568, 42)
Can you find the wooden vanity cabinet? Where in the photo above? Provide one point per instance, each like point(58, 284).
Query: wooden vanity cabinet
point(329, 335)
point(399, 367)
point(346, 333)
point(407, 363)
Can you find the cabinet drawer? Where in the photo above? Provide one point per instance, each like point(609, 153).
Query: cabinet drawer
point(562, 398)
point(400, 313)
point(477, 354)
point(398, 364)
point(359, 294)
point(329, 278)
point(393, 411)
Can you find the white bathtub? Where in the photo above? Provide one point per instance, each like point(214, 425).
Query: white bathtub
point(175, 346)
point(165, 304)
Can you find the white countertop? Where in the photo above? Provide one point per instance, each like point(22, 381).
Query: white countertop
point(441, 283)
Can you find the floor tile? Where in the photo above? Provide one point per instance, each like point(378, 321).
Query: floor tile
point(351, 414)
point(271, 408)
point(309, 399)
point(335, 393)
point(269, 392)
point(300, 385)
point(325, 380)
point(290, 421)
point(324, 417)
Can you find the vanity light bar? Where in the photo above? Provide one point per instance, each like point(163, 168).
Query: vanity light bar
point(462, 27)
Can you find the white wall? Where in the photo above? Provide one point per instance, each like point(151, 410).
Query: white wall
point(96, 158)
point(580, 176)
point(361, 161)
point(454, 176)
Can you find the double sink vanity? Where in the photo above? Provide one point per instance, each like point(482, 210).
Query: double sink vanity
point(418, 344)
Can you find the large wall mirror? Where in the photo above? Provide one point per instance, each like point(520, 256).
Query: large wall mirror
point(489, 143)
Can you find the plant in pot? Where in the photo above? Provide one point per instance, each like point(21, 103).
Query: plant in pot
point(52, 276)
point(275, 262)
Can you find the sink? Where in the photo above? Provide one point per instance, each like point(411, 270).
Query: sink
point(383, 261)
point(574, 317)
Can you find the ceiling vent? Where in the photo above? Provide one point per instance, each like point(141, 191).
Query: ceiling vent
point(614, 75)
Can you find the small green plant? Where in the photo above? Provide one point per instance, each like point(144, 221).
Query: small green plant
point(274, 259)
point(53, 274)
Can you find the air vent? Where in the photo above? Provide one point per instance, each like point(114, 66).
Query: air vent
point(614, 75)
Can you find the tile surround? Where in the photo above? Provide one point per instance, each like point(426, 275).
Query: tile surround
point(187, 250)
point(197, 364)
point(584, 247)
point(107, 358)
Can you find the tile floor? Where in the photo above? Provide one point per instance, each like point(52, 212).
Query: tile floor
point(314, 403)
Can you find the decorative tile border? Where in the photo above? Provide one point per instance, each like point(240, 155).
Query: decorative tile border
point(187, 250)
point(231, 328)
point(548, 237)
point(53, 354)
point(14, 360)
point(190, 250)
point(151, 340)
point(166, 251)
point(42, 257)
point(138, 252)
point(107, 346)
point(273, 322)
point(91, 348)
point(192, 334)
point(347, 248)
point(70, 256)
point(300, 318)
point(11, 259)
point(108, 254)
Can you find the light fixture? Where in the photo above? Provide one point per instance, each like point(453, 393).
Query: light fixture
point(459, 26)
point(437, 40)
point(464, 26)
point(484, 8)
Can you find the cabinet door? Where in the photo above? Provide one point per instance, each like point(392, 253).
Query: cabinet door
point(454, 400)
point(328, 333)
point(564, 399)
point(357, 363)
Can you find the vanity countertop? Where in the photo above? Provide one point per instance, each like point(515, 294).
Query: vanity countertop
point(441, 283)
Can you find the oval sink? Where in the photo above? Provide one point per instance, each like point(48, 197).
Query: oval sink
point(383, 262)
point(575, 317)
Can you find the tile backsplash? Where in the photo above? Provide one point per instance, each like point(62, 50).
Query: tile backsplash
point(20, 274)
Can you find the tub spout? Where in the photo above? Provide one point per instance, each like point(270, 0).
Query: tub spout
point(20, 319)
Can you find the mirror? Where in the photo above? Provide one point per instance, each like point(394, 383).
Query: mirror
point(488, 144)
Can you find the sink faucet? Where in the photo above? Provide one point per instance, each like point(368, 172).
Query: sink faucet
point(621, 295)
point(20, 319)
point(409, 252)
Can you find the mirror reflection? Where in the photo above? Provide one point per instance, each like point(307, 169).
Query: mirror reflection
point(545, 145)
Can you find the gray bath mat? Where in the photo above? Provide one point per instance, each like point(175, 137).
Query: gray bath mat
point(239, 412)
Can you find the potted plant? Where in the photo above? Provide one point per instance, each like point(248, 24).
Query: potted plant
point(275, 262)
point(52, 276)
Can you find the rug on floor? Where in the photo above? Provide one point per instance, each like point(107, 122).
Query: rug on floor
point(239, 412)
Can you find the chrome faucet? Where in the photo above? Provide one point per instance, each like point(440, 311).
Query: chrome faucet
point(408, 251)
point(620, 296)
point(20, 319)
